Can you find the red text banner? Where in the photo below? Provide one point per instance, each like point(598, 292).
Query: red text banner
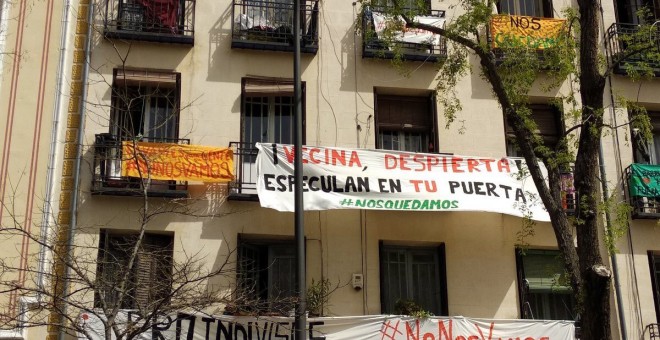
point(191, 326)
point(335, 178)
point(167, 161)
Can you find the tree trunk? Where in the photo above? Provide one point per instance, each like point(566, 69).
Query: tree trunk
point(594, 294)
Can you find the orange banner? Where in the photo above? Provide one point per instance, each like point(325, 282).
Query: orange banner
point(518, 30)
point(166, 161)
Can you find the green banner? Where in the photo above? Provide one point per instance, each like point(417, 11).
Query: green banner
point(644, 180)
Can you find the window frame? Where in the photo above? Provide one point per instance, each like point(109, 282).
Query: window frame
point(431, 129)
point(546, 8)
point(269, 84)
point(523, 291)
point(654, 260)
point(626, 11)
point(263, 302)
point(642, 148)
point(165, 241)
point(441, 274)
point(509, 139)
point(127, 80)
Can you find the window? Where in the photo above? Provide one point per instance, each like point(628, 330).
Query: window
point(549, 126)
point(267, 275)
point(544, 294)
point(149, 280)
point(626, 10)
point(413, 274)
point(648, 152)
point(654, 263)
point(532, 8)
point(406, 123)
point(267, 114)
point(145, 105)
point(409, 4)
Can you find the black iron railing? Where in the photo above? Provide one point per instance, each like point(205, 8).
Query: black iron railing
point(374, 46)
point(245, 170)
point(108, 180)
point(170, 21)
point(653, 331)
point(643, 207)
point(268, 25)
point(620, 40)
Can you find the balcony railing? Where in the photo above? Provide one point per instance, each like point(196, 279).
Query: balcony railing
point(107, 178)
point(642, 196)
point(653, 331)
point(622, 36)
point(375, 47)
point(268, 25)
point(245, 168)
point(170, 21)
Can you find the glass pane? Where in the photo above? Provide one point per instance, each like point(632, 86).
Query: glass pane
point(551, 306)
point(281, 272)
point(411, 274)
point(394, 272)
point(255, 120)
point(284, 120)
point(655, 149)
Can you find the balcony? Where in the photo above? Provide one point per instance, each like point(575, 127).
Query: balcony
point(268, 25)
point(433, 49)
point(653, 331)
point(568, 194)
point(643, 190)
point(621, 36)
point(107, 178)
point(168, 21)
point(245, 163)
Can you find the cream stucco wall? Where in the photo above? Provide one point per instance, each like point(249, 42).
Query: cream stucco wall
point(479, 247)
point(30, 33)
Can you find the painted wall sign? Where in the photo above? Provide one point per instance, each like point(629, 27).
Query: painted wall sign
point(337, 178)
point(532, 32)
point(376, 327)
point(410, 35)
point(168, 161)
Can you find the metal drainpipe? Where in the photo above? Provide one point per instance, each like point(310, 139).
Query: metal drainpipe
point(76, 170)
point(57, 112)
point(603, 183)
point(608, 223)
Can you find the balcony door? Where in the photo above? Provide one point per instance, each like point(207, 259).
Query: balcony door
point(267, 116)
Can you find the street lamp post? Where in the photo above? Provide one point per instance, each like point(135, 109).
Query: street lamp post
point(300, 317)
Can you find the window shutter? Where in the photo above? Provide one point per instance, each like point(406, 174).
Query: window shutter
point(133, 77)
point(403, 112)
point(145, 278)
point(264, 87)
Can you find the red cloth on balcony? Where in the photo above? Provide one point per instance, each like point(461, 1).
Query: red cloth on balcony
point(163, 12)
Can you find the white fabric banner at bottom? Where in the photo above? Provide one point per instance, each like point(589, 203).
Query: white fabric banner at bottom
point(337, 178)
point(378, 327)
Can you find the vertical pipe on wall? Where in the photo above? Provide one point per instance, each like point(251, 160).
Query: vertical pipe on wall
point(52, 155)
point(301, 306)
point(608, 219)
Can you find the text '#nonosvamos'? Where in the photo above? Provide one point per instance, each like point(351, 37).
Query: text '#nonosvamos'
point(400, 161)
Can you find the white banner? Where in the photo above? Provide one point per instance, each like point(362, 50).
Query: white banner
point(335, 178)
point(410, 35)
point(377, 327)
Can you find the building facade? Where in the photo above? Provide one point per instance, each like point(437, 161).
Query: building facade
point(219, 73)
